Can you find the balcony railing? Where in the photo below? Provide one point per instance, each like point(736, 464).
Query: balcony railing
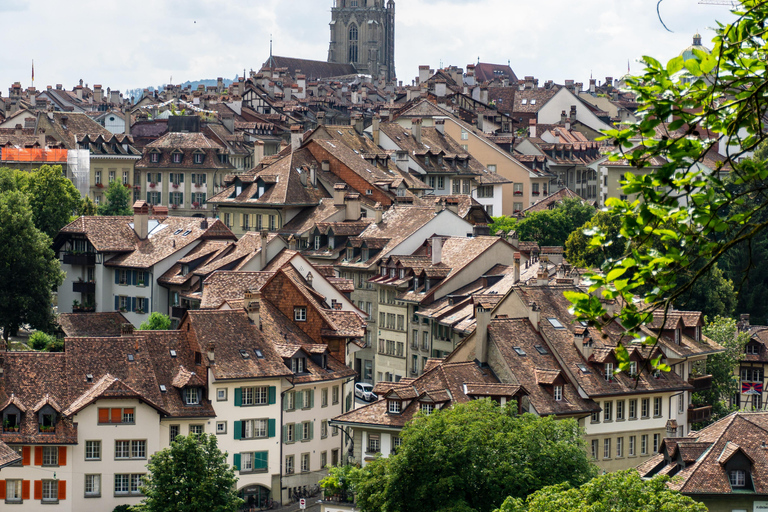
point(83, 259)
point(83, 287)
point(699, 414)
point(178, 311)
point(701, 382)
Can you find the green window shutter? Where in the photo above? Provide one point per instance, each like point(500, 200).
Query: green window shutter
point(271, 427)
point(117, 302)
point(311, 429)
point(181, 177)
point(238, 397)
point(297, 431)
point(133, 303)
point(117, 276)
point(272, 395)
point(260, 460)
point(285, 401)
point(237, 461)
point(298, 400)
point(311, 397)
point(238, 430)
point(285, 433)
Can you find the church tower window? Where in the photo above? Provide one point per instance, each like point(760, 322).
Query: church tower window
point(353, 43)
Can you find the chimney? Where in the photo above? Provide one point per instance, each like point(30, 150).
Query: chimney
point(440, 88)
point(532, 127)
point(97, 93)
point(453, 205)
point(423, 74)
point(292, 243)
point(534, 315)
point(583, 341)
point(114, 97)
point(211, 347)
point(378, 210)
point(416, 129)
point(375, 128)
point(439, 205)
point(303, 175)
point(437, 249)
point(517, 268)
point(313, 174)
point(481, 230)
point(529, 82)
point(592, 86)
point(127, 118)
point(563, 117)
point(17, 130)
point(326, 165)
point(263, 251)
point(482, 320)
point(229, 123)
point(339, 190)
point(252, 305)
point(573, 114)
point(542, 276)
point(297, 137)
point(320, 118)
point(352, 206)
point(609, 81)
point(440, 125)
point(41, 137)
point(310, 278)
point(512, 238)
point(79, 92)
point(141, 219)
point(359, 124)
point(126, 330)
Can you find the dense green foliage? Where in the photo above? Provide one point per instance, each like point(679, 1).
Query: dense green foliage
point(156, 322)
point(39, 340)
point(190, 475)
point(552, 227)
point(28, 267)
point(581, 253)
point(118, 200)
point(686, 218)
point(471, 457)
point(87, 207)
point(621, 491)
point(502, 223)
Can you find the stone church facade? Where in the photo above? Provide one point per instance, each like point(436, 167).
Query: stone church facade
point(363, 34)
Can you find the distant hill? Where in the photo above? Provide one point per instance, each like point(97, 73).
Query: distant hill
point(136, 93)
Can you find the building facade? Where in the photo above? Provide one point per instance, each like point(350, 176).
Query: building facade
point(363, 34)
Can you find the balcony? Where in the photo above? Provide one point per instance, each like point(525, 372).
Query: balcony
point(83, 287)
point(700, 383)
point(82, 259)
point(699, 414)
point(178, 311)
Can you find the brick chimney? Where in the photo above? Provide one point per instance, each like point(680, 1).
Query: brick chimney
point(482, 321)
point(141, 219)
point(416, 129)
point(263, 252)
point(375, 130)
point(532, 127)
point(517, 267)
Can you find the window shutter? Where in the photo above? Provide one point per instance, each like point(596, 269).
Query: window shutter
point(62, 455)
point(26, 452)
point(135, 277)
point(261, 460)
point(2, 489)
point(103, 415)
point(311, 429)
point(117, 276)
point(133, 303)
point(117, 416)
point(25, 489)
point(272, 395)
point(62, 490)
point(38, 455)
point(38, 489)
point(271, 428)
point(297, 431)
point(237, 461)
point(238, 397)
point(311, 397)
point(285, 401)
point(117, 302)
point(298, 400)
point(285, 433)
point(181, 177)
point(238, 430)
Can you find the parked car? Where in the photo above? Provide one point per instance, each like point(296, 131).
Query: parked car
point(364, 391)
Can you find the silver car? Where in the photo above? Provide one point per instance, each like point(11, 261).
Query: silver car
point(364, 391)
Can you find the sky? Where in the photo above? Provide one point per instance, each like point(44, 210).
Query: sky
point(144, 43)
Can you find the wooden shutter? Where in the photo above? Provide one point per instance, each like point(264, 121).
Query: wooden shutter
point(26, 455)
point(62, 455)
point(38, 455)
point(271, 428)
point(260, 460)
point(311, 397)
point(2, 489)
point(238, 430)
point(133, 303)
point(297, 433)
point(117, 276)
point(116, 415)
point(272, 395)
point(311, 429)
point(238, 397)
point(298, 400)
point(237, 461)
point(25, 489)
point(62, 490)
point(38, 489)
point(117, 302)
point(103, 415)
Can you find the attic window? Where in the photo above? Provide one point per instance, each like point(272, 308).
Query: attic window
point(163, 389)
point(173, 353)
point(369, 192)
point(540, 349)
point(89, 378)
point(524, 102)
point(259, 353)
point(245, 354)
point(519, 351)
point(130, 357)
point(154, 158)
point(186, 232)
point(177, 158)
point(583, 368)
point(738, 478)
point(177, 231)
point(533, 101)
point(199, 158)
point(556, 323)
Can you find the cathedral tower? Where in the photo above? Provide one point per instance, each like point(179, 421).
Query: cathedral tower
point(363, 34)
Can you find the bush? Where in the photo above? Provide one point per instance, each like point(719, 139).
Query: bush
point(56, 345)
point(40, 341)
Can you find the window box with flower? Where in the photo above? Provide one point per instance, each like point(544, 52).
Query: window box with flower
point(99, 185)
point(535, 193)
point(174, 206)
point(518, 192)
point(175, 185)
point(152, 185)
point(195, 205)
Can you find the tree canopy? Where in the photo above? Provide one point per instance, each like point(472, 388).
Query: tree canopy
point(621, 491)
point(190, 475)
point(28, 267)
point(503, 223)
point(118, 200)
point(552, 227)
point(470, 457)
point(581, 253)
point(685, 218)
point(156, 322)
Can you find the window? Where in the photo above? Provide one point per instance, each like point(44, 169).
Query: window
point(221, 427)
point(609, 371)
point(125, 177)
point(13, 491)
point(98, 177)
point(324, 429)
point(289, 464)
point(352, 44)
point(681, 403)
point(619, 447)
point(300, 314)
point(558, 393)
point(131, 449)
point(192, 396)
point(486, 191)
point(198, 158)
point(397, 441)
point(607, 411)
point(307, 399)
point(252, 461)
point(425, 340)
point(632, 368)
point(607, 448)
point(656, 439)
point(154, 157)
point(92, 486)
point(374, 443)
point(427, 408)
point(111, 175)
point(176, 199)
point(595, 447)
point(644, 444)
point(596, 417)
point(324, 397)
point(619, 410)
point(272, 225)
point(173, 432)
point(93, 450)
point(441, 182)
point(633, 409)
point(117, 415)
point(50, 491)
point(221, 394)
point(631, 446)
point(394, 406)
point(176, 158)
point(323, 459)
point(335, 395)
point(738, 478)
point(657, 406)
point(153, 198)
point(255, 395)
point(306, 431)
point(196, 429)
point(645, 404)
point(126, 483)
point(253, 429)
point(290, 430)
point(50, 455)
point(304, 462)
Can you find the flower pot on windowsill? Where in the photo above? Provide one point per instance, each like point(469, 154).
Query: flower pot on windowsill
point(174, 206)
point(534, 193)
point(99, 185)
point(518, 193)
point(152, 185)
point(195, 205)
point(175, 185)
point(127, 185)
point(123, 310)
point(10, 429)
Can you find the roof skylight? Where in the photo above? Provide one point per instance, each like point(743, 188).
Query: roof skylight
point(556, 323)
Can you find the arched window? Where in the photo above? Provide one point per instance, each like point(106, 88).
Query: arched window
point(353, 43)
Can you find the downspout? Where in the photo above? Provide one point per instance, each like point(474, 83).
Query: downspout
point(282, 422)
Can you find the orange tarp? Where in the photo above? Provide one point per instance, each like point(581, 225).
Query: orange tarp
point(33, 155)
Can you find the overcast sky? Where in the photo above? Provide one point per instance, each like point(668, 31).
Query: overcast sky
point(141, 43)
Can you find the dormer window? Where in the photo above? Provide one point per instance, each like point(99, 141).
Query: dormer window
point(609, 371)
point(698, 333)
point(558, 393)
point(677, 336)
point(752, 348)
point(11, 419)
point(298, 365)
point(176, 158)
point(350, 253)
point(300, 314)
point(426, 160)
point(632, 368)
point(154, 157)
point(394, 406)
point(427, 408)
point(383, 271)
point(738, 478)
point(199, 157)
point(192, 396)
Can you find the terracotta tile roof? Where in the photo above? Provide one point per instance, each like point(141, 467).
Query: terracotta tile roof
point(486, 72)
point(312, 69)
point(91, 324)
point(309, 217)
point(8, 456)
point(223, 285)
point(553, 200)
